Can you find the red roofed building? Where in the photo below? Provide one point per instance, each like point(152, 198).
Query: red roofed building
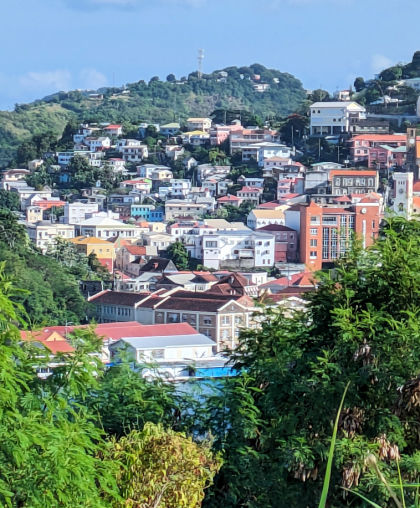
point(252, 194)
point(359, 145)
point(113, 130)
point(300, 282)
point(229, 199)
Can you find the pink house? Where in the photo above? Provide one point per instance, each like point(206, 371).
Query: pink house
point(220, 133)
point(385, 157)
point(359, 145)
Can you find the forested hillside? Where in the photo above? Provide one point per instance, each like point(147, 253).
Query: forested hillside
point(155, 101)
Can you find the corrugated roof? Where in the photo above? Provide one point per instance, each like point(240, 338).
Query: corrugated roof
point(165, 341)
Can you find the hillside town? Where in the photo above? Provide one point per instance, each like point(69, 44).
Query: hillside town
point(203, 244)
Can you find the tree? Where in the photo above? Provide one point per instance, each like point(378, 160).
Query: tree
point(273, 422)
point(9, 200)
point(178, 254)
point(359, 84)
point(320, 95)
point(391, 74)
point(49, 447)
point(160, 467)
point(170, 78)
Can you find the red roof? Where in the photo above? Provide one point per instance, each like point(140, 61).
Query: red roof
point(250, 189)
point(342, 199)
point(380, 137)
point(113, 127)
point(136, 250)
point(416, 186)
point(352, 172)
point(269, 205)
point(304, 279)
point(113, 331)
point(228, 198)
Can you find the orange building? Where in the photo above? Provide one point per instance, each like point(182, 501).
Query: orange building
point(104, 250)
point(325, 232)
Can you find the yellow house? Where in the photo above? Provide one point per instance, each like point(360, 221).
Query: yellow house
point(104, 250)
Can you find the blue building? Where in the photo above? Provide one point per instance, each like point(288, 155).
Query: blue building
point(147, 212)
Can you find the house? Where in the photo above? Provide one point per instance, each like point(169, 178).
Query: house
point(175, 208)
point(386, 157)
point(170, 129)
point(242, 137)
point(128, 254)
point(77, 212)
point(161, 175)
point(117, 164)
point(102, 249)
point(252, 194)
point(163, 349)
point(97, 144)
point(199, 124)
point(217, 316)
point(174, 152)
point(190, 281)
point(236, 249)
point(195, 137)
point(105, 227)
point(12, 176)
point(329, 118)
point(113, 130)
point(220, 133)
point(359, 145)
point(141, 185)
point(296, 284)
point(258, 218)
point(229, 199)
point(159, 240)
point(44, 233)
point(134, 153)
point(353, 181)
point(286, 242)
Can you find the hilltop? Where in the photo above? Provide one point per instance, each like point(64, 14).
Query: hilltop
point(155, 101)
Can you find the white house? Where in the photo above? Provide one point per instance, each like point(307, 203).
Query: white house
point(75, 213)
point(43, 233)
point(255, 249)
point(403, 194)
point(329, 118)
point(117, 164)
point(134, 153)
point(165, 348)
point(113, 130)
point(95, 144)
point(105, 227)
point(259, 218)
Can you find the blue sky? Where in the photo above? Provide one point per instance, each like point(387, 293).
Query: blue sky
point(50, 45)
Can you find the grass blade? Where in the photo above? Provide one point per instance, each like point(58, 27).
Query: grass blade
point(325, 487)
point(364, 498)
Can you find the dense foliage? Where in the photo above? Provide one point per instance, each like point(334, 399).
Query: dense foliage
point(51, 281)
point(274, 421)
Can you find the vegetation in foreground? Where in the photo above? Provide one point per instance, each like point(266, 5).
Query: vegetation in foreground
point(72, 440)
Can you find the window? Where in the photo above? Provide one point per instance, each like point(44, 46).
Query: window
point(211, 244)
point(315, 219)
point(225, 320)
point(312, 254)
point(314, 231)
point(314, 242)
point(207, 321)
point(157, 354)
point(173, 317)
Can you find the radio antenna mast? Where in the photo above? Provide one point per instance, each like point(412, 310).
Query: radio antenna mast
point(200, 62)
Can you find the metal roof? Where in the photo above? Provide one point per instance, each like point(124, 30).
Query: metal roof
point(164, 341)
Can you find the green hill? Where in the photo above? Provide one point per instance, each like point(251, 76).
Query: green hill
point(156, 101)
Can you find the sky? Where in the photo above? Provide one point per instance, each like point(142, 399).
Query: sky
point(52, 45)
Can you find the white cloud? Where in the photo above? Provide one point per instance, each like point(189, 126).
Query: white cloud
point(92, 79)
point(380, 62)
point(50, 80)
